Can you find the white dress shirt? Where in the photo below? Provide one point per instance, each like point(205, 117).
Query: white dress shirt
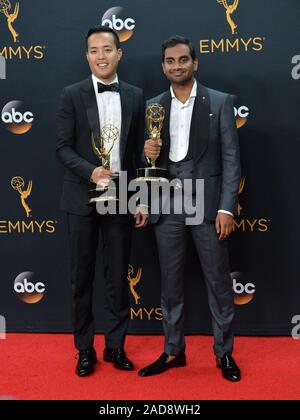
point(109, 109)
point(180, 125)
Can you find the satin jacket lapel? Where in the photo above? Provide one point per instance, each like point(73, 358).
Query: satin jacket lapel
point(163, 159)
point(199, 132)
point(90, 102)
point(126, 106)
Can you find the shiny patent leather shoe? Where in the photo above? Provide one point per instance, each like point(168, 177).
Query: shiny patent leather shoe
point(230, 369)
point(86, 362)
point(161, 365)
point(118, 358)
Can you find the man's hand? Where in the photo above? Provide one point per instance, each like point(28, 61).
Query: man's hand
point(224, 225)
point(141, 216)
point(152, 148)
point(100, 176)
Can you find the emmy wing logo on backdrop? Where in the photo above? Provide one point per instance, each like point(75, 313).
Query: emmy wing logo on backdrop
point(230, 9)
point(232, 42)
point(241, 187)
point(29, 225)
point(18, 184)
point(117, 19)
point(134, 278)
point(5, 9)
point(248, 224)
point(14, 50)
point(133, 281)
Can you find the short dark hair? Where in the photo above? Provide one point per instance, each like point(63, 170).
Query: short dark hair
point(175, 40)
point(101, 28)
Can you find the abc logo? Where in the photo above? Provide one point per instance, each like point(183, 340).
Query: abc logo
point(244, 293)
point(17, 120)
point(241, 115)
point(27, 290)
point(115, 19)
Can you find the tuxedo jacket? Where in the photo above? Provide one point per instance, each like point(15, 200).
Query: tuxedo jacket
point(216, 157)
point(77, 120)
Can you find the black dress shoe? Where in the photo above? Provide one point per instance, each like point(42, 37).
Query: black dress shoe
point(86, 362)
point(230, 369)
point(161, 365)
point(118, 358)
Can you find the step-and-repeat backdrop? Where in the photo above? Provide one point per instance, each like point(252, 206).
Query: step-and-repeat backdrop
point(248, 48)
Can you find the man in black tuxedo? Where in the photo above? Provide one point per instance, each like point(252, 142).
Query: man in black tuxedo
point(84, 109)
point(199, 141)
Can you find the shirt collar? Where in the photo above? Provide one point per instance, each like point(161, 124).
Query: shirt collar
point(193, 91)
point(96, 80)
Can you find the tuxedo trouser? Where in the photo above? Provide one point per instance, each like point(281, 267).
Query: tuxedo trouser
point(171, 236)
point(116, 240)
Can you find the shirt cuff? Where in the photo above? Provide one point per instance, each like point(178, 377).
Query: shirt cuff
point(225, 212)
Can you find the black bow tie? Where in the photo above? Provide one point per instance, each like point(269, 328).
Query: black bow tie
point(113, 87)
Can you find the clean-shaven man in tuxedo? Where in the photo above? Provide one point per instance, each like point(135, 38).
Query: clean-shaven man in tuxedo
point(198, 141)
point(84, 109)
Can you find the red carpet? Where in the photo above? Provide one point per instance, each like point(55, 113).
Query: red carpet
point(41, 366)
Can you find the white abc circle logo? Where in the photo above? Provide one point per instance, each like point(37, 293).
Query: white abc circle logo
point(119, 24)
point(243, 293)
point(239, 288)
point(116, 19)
point(242, 112)
point(17, 117)
point(28, 287)
point(241, 115)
